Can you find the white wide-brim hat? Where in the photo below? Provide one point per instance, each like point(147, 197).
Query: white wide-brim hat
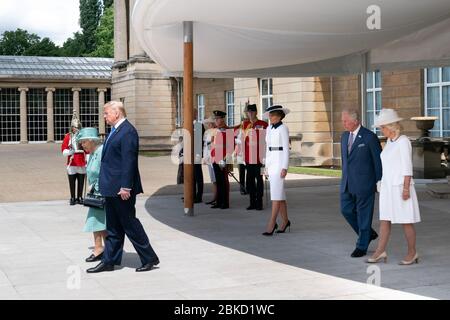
point(386, 116)
point(275, 108)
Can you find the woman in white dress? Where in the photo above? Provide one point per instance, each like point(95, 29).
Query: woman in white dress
point(398, 198)
point(277, 163)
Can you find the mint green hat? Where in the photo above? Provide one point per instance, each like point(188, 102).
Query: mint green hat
point(88, 134)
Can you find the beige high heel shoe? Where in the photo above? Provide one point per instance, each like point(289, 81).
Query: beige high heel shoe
point(407, 263)
point(382, 256)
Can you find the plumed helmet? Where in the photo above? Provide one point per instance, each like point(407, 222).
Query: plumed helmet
point(76, 123)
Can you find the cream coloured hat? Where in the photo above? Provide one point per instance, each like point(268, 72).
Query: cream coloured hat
point(386, 116)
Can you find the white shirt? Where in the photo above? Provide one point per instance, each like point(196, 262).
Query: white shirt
point(354, 133)
point(119, 122)
point(115, 127)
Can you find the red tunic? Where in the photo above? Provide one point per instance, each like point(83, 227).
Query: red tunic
point(254, 134)
point(78, 159)
point(222, 145)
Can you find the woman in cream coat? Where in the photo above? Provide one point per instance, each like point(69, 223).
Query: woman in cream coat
point(398, 199)
point(277, 163)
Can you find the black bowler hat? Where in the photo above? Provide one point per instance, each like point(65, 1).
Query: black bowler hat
point(219, 114)
point(250, 107)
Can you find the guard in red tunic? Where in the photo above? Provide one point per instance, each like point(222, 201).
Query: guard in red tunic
point(221, 153)
point(76, 161)
point(252, 140)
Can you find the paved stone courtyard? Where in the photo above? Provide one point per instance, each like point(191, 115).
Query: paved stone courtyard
point(213, 255)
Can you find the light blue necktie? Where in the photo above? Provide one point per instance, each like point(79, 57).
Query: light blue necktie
point(110, 134)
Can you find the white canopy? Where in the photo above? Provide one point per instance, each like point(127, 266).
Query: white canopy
point(287, 38)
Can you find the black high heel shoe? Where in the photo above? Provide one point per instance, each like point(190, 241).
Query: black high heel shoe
point(288, 225)
point(275, 227)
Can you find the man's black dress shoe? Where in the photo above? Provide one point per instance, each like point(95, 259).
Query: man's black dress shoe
point(72, 201)
point(373, 236)
point(101, 267)
point(93, 257)
point(80, 201)
point(358, 253)
point(224, 207)
point(211, 202)
point(251, 207)
point(147, 266)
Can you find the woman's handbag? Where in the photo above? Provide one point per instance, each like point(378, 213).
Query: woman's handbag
point(93, 201)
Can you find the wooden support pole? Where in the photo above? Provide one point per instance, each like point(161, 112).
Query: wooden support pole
point(188, 138)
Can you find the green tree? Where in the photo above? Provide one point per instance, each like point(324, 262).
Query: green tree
point(90, 12)
point(107, 3)
point(104, 35)
point(16, 43)
point(23, 43)
point(75, 46)
point(45, 47)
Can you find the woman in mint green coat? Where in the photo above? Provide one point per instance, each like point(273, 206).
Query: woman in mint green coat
point(96, 218)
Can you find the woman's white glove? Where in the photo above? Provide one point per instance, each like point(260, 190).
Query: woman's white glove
point(68, 152)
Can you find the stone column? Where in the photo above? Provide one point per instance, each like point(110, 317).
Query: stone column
point(76, 100)
point(101, 103)
point(23, 115)
point(50, 120)
point(120, 31)
point(135, 48)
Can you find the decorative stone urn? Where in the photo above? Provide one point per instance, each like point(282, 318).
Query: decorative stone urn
point(425, 124)
point(427, 152)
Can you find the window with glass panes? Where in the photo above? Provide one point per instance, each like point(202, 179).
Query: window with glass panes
point(373, 98)
point(62, 114)
point(266, 91)
point(37, 115)
point(230, 107)
point(437, 99)
point(200, 107)
point(179, 110)
point(9, 115)
point(89, 107)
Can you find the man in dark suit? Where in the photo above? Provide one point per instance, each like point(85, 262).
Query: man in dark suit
point(119, 183)
point(361, 170)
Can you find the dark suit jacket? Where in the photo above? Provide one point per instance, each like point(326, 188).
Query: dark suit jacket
point(361, 169)
point(119, 167)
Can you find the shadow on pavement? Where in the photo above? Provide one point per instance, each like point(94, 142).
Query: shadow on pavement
point(320, 240)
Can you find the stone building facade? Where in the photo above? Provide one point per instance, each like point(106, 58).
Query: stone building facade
point(38, 96)
point(154, 101)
